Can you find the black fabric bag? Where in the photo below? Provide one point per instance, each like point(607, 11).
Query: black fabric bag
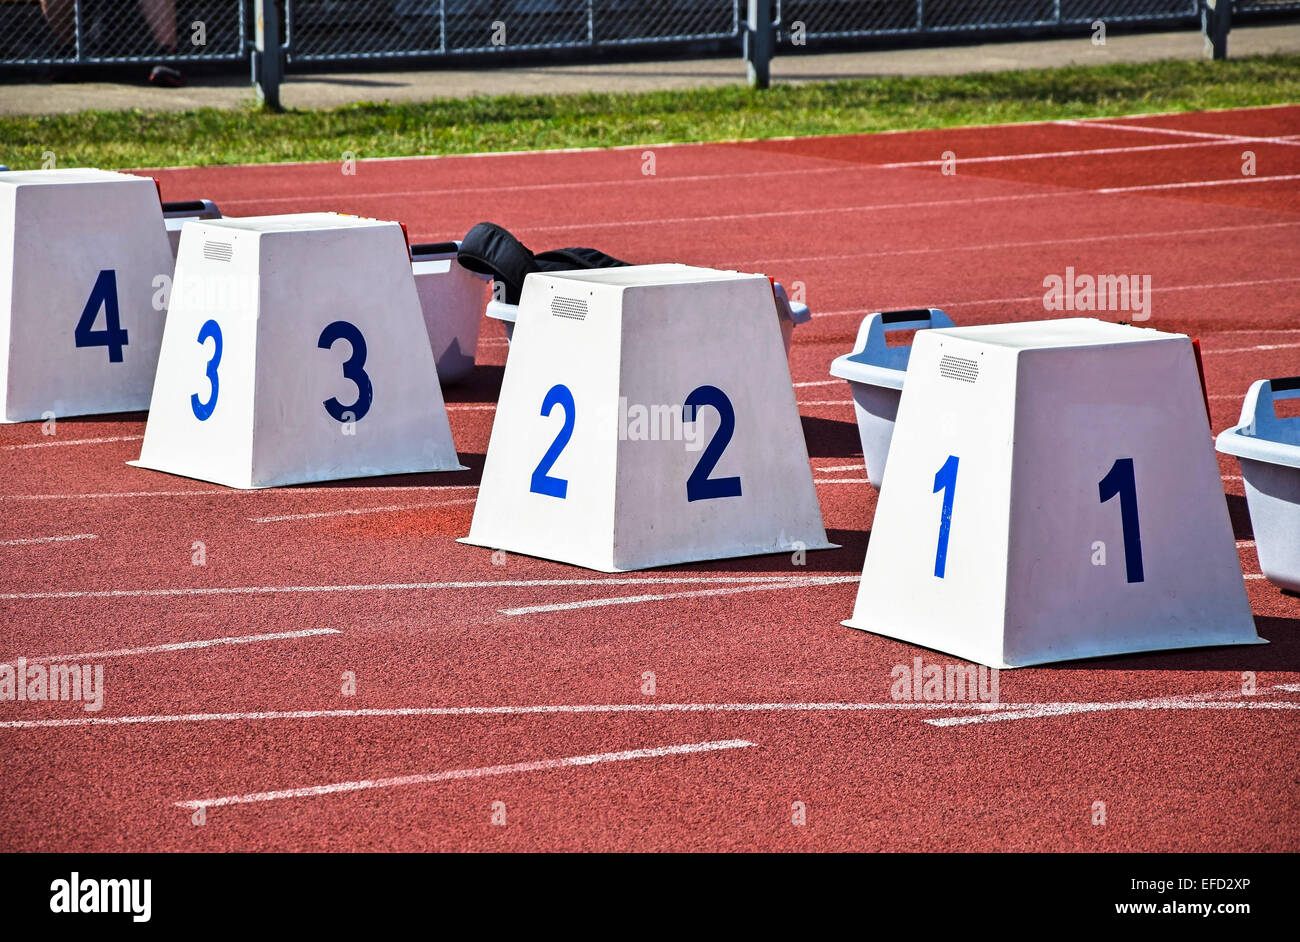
point(490, 249)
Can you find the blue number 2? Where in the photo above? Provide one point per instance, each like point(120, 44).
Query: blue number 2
point(1120, 480)
point(542, 482)
point(353, 369)
point(210, 330)
point(944, 480)
point(103, 294)
point(699, 486)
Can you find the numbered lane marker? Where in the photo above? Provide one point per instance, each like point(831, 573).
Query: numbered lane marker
point(1065, 430)
point(646, 418)
point(295, 351)
point(82, 292)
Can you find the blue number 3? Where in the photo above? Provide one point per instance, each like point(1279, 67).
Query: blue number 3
point(353, 369)
point(210, 330)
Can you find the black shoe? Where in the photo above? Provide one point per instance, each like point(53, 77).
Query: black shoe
point(164, 76)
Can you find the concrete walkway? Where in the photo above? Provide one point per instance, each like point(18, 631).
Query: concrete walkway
point(332, 90)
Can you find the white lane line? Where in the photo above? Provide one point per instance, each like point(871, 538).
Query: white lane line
point(1262, 346)
point(825, 402)
point(78, 441)
point(360, 510)
point(1188, 184)
point(845, 467)
point(989, 246)
point(394, 489)
point(1049, 154)
point(470, 406)
point(397, 587)
point(1244, 543)
point(911, 205)
point(427, 778)
point(820, 382)
point(1151, 129)
point(1216, 700)
point(825, 481)
point(797, 583)
point(859, 312)
point(885, 706)
point(180, 646)
point(49, 539)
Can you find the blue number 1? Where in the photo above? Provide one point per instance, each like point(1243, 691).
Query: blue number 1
point(1120, 480)
point(944, 480)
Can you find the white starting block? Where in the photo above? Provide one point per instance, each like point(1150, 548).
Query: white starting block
point(176, 215)
point(295, 351)
point(1268, 448)
point(875, 373)
point(451, 297)
point(789, 313)
point(83, 262)
point(646, 418)
point(1051, 495)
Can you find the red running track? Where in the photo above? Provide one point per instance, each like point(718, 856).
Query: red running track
point(739, 729)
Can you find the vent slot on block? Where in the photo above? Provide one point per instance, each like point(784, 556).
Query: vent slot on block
point(573, 308)
point(218, 251)
point(960, 368)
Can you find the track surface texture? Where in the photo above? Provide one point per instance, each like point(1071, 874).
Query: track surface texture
point(225, 692)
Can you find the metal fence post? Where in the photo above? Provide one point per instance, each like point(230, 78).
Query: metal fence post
point(1217, 18)
point(268, 55)
point(760, 38)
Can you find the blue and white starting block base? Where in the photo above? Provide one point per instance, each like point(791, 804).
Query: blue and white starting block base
point(295, 351)
point(451, 297)
point(83, 266)
point(789, 314)
point(1268, 448)
point(875, 372)
point(1051, 495)
point(646, 418)
point(176, 215)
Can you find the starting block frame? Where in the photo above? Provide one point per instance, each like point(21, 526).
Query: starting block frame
point(451, 298)
point(1268, 448)
point(875, 372)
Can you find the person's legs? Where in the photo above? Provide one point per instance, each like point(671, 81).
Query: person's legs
point(161, 17)
point(62, 17)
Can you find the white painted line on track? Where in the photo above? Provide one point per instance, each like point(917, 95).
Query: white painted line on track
point(820, 382)
point(394, 489)
point(540, 765)
point(825, 402)
point(886, 706)
point(76, 441)
point(845, 467)
point(840, 480)
point(26, 541)
point(180, 646)
point(1152, 129)
point(397, 587)
point(1217, 700)
point(797, 583)
point(989, 246)
point(1038, 297)
point(1079, 192)
point(1262, 346)
point(471, 406)
point(393, 508)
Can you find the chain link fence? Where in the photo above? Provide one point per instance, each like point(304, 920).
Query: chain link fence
point(51, 32)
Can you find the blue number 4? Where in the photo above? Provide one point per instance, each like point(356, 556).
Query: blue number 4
point(103, 294)
point(945, 480)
